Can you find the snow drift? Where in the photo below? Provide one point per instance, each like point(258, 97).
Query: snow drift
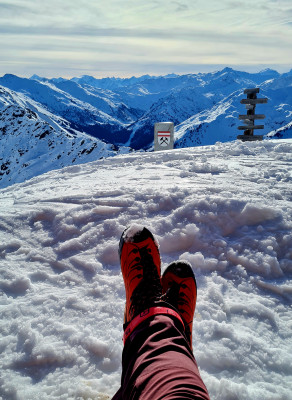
point(225, 208)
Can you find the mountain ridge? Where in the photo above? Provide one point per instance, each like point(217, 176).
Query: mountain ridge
point(33, 141)
point(120, 114)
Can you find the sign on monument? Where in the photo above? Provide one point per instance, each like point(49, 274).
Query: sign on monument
point(163, 136)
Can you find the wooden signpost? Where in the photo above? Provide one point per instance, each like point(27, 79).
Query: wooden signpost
point(251, 116)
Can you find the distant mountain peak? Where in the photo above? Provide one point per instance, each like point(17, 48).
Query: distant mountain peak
point(227, 69)
point(37, 78)
point(9, 76)
point(269, 72)
point(170, 75)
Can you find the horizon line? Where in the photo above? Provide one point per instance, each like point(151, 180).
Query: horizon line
point(152, 75)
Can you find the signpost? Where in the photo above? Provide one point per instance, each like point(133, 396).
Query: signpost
point(163, 136)
point(250, 117)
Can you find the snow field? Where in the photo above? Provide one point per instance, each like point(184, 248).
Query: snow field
point(224, 208)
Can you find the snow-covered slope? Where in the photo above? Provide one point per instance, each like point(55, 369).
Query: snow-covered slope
point(225, 208)
point(283, 132)
point(205, 126)
point(178, 106)
point(93, 111)
point(34, 142)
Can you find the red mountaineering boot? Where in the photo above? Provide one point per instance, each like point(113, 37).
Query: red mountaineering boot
point(180, 290)
point(140, 264)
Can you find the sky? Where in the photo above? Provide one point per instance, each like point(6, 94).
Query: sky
point(134, 37)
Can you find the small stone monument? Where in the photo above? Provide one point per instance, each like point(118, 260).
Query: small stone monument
point(163, 136)
point(251, 116)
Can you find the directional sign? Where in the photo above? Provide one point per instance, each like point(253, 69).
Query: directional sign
point(251, 91)
point(252, 117)
point(242, 128)
point(253, 101)
point(163, 136)
point(249, 138)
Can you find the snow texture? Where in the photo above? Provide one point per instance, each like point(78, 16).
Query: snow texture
point(224, 208)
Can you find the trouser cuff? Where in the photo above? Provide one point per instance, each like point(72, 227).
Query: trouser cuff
point(149, 312)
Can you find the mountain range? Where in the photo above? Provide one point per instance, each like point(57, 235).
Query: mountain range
point(49, 123)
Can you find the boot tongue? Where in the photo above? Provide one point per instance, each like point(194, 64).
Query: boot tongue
point(172, 294)
point(149, 290)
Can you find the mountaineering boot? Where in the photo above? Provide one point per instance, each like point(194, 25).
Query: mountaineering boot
point(180, 290)
point(140, 265)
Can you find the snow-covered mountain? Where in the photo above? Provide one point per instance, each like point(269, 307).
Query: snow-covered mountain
point(91, 110)
point(283, 132)
point(122, 112)
point(34, 142)
point(199, 104)
point(225, 208)
point(206, 110)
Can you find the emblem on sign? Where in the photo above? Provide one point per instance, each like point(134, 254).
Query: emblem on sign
point(163, 138)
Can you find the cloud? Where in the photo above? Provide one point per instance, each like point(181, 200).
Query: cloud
point(196, 36)
point(153, 33)
point(10, 7)
point(180, 6)
point(14, 8)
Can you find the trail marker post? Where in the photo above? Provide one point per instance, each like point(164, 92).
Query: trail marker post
point(163, 136)
point(251, 116)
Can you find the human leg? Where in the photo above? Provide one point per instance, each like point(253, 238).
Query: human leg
point(158, 362)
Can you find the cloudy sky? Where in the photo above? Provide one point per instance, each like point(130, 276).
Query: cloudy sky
point(135, 37)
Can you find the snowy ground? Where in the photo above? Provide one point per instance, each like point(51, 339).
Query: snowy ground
point(225, 208)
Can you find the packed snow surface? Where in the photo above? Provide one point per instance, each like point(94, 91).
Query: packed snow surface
point(225, 208)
